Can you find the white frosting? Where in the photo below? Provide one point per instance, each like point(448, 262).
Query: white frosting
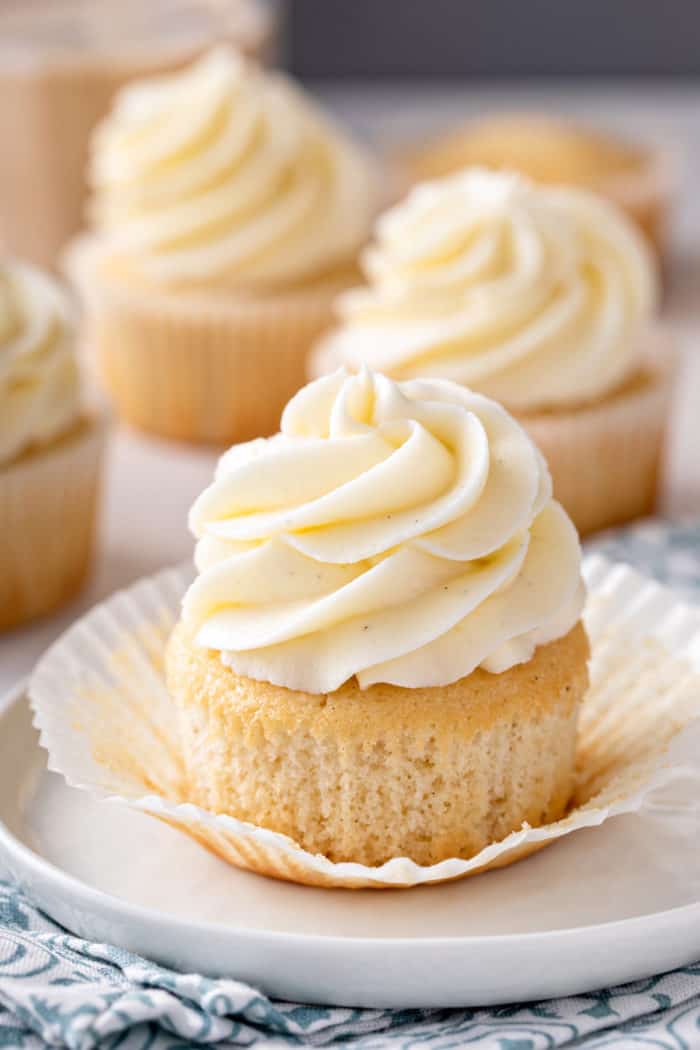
point(533, 295)
point(39, 387)
point(403, 533)
point(224, 173)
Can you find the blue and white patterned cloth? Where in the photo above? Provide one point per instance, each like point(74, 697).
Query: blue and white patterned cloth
point(58, 990)
point(669, 553)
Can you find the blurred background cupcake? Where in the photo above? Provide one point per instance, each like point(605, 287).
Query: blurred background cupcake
point(540, 297)
point(228, 211)
point(60, 63)
point(50, 449)
point(637, 178)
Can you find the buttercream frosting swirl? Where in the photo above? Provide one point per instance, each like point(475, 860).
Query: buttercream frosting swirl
point(39, 386)
point(223, 173)
point(400, 532)
point(534, 295)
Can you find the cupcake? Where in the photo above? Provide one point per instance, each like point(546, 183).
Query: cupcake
point(555, 151)
point(61, 62)
point(227, 214)
point(382, 655)
point(50, 450)
point(540, 297)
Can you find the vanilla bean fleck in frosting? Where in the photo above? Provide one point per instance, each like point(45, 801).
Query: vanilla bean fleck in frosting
point(400, 532)
point(223, 173)
point(39, 385)
point(534, 295)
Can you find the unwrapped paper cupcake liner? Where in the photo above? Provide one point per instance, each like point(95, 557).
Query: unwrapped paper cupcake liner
point(48, 506)
point(605, 458)
point(196, 366)
point(110, 727)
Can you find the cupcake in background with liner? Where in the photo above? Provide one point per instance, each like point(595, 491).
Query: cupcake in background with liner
point(382, 653)
point(50, 449)
point(640, 179)
point(227, 214)
point(540, 297)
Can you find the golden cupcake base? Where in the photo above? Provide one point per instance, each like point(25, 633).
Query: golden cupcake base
point(48, 505)
point(367, 775)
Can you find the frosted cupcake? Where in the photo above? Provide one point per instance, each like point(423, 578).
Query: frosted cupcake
point(636, 178)
point(540, 297)
point(382, 653)
point(228, 212)
point(50, 450)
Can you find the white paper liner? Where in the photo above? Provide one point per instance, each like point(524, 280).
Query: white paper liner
point(110, 727)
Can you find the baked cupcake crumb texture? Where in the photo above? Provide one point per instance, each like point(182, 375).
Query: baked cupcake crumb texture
point(367, 775)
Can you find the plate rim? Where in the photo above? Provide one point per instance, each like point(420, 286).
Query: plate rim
point(39, 866)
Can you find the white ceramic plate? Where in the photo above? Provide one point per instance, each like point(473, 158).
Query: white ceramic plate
point(601, 907)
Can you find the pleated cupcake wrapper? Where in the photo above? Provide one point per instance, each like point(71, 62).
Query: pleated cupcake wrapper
point(110, 727)
point(48, 504)
point(605, 459)
point(198, 367)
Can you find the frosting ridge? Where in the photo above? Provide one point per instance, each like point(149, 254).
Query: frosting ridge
point(534, 295)
point(39, 383)
point(223, 173)
point(404, 533)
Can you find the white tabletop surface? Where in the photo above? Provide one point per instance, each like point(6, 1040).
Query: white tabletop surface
point(149, 485)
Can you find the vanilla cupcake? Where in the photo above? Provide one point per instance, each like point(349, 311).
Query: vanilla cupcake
point(50, 450)
point(540, 297)
point(382, 653)
point(227, 213)
point(636, 178)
